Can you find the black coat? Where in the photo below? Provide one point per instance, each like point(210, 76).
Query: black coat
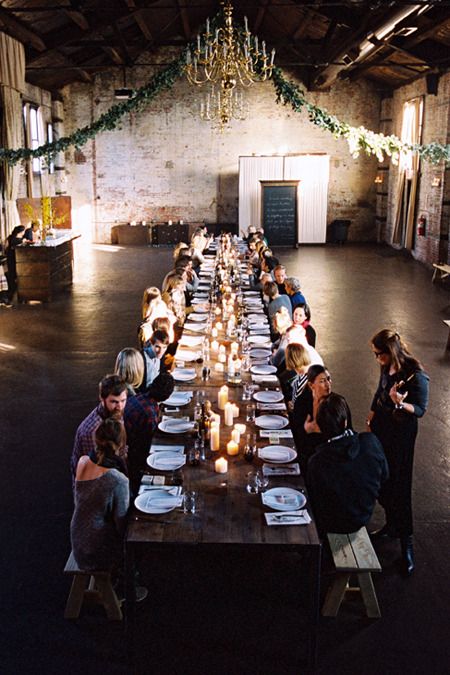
point(344, 480)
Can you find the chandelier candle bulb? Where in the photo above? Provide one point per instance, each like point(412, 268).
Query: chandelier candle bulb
point(222, 396)
point(221, 465)
point(228, 414)
point(232, 448)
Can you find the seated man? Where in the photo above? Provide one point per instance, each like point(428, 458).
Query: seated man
point(279, 274)
point(345, 473)
point(153, 352)
point(113, 398)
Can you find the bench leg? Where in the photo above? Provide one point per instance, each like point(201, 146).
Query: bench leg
point(368, 595)
point(335, 594)
point(76, 596)
point(109, 597)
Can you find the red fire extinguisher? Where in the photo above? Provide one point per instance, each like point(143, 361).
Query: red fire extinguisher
point(421, 226)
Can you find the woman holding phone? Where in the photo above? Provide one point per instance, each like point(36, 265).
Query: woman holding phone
point(400, 399)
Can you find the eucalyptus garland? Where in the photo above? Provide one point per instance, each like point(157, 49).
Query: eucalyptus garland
point(287, 92)
point(358, 138)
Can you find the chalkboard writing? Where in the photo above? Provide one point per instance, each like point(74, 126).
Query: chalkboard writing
point(280, 214)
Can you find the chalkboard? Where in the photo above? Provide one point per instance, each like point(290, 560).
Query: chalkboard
point(279, 209)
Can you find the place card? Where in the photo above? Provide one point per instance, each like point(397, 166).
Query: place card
point(153, 480)
point(282, 433)
point(274, 438)
point(281, 470)
point(300, 517)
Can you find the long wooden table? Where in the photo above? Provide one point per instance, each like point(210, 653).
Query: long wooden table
point(228, 519)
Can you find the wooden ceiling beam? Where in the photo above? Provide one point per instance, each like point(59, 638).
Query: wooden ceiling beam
point(137, 15)
point(184, 19)
point(17, 29)
point(261, 14)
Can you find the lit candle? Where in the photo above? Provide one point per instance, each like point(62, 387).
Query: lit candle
point(214, 345)
point(235, 410)
point(222, 358)
point(222, 396)
point(241, 428)
point(214, 332)
point(231, 366)
point(234, 347)
point(228, 416)
point(218, 367)
point(235, 435)
point(170, 222)
point(221, 465)
point(238, 365)
point(215, 437)
point(219, 325)
point(222, 349)
point(232, 448)
point(217, 311)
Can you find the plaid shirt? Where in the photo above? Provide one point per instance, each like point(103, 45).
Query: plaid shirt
point(140, 417)
point(85, 441)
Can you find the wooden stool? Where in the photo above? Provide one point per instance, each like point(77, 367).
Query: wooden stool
point(94, 584)
point(441, 271)
point(352, 554)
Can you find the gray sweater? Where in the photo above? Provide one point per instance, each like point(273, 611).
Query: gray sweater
point(99, 520)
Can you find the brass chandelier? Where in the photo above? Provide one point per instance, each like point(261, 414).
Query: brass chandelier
point(227, 58)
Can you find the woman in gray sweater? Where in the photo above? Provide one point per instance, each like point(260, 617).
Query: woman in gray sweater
point(102, 498)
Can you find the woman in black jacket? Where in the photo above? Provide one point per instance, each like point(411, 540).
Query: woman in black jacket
point(14, 240)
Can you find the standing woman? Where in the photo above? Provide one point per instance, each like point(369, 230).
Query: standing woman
point(401, 398)
point(15, 239)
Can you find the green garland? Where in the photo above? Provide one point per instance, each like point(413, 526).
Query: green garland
point(358, 138)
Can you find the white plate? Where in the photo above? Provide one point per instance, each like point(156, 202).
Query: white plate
point(277, 454)
point(184, 374)
point(268, 396)
point(166, 461)
point(175, 426)
point(260, 353)
point(190, 341)
point(271, 422)
point(283, 499)
point(178, 398)
point(198, 318)
point(152, 501)
point(256, 317)
point(201, 310)
point(187, 355)
point(258, 339)
point(195, 327)
point(263, 370)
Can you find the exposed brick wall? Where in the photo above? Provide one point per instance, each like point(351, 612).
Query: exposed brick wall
point(432, 201)
point(165, 163)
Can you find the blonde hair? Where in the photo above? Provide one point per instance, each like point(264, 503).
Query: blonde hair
point(297, 356)
point(173, 281)
point(150, 295)
point(282, 320)
point(130, 366)
point(181, 246)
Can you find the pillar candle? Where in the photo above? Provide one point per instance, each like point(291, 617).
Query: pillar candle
point(218, 368)
point(222, 396)
point(222, 349)
point(221, 465)
point(214, 332)
point(232, 448)
point(234, 347)
point(214, 345)
point(222, 358)
point(228, 410)
point(235, 410)
point(215, 437)
point(241, 428)
point(219, 325)
point(235, 435)
point(217, 311)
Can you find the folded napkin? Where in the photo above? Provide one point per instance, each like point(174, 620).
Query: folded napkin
point(282, 500)
point(274, 455)
point(166, 448)
point(300, 517)
point(169, 463)
point(264, 378)
point(163, 503)
point(175, 424)
point(170, 489)
point(280, 470)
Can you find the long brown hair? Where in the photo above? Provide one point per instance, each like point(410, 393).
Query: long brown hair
point(110, 437)
point(389, 342)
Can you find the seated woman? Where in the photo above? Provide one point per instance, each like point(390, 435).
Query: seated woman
point(175, 299)
point(301, 316)
point(276, 302)
point(294, 334)
point(153, 307)
point(130, 367)
point(102, 499)
point(298, 361)
point(293, 289)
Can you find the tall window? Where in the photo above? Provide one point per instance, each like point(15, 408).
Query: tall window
point(34, 132)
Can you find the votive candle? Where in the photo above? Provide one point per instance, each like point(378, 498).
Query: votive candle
point(232, 448)
point(221, 465)
point(235, 435)
point(228, 410)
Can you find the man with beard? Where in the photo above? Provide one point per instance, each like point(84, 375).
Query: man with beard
point(113, 398)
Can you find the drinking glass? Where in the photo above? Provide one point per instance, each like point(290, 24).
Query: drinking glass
point(252, 483)
point(246, 392)
point(251, 412)
point(189, 501)
point(262, 480)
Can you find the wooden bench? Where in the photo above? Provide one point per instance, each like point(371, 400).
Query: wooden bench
point(352, 554)
point(95, 585)
point(441, 272)
point(447, 323)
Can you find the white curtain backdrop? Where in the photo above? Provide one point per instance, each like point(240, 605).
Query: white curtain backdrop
point(313, 173)
point(12, 83)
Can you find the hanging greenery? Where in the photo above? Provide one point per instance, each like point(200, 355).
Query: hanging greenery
point(358, 138)
point(288, 93)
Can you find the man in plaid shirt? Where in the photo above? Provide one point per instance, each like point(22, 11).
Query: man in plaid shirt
point(113, 398)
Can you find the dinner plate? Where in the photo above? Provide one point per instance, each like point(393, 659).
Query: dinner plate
point(283, 499)
point(190, 341)
point(271, 422)
point(178, 398)
point(256, 316)
point(263, 370)
point(268, 396)
point(195, 327)
point(187, 354)
point(198, 318)
point(277, 454)
point(201, 310)
point(184, 374)
point(153, 501)
point(260, 353)
point(175, 426)
point(258, 339)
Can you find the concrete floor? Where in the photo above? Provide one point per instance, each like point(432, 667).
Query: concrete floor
point(51, 359)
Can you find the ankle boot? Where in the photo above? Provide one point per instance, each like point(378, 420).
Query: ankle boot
point(407, 555)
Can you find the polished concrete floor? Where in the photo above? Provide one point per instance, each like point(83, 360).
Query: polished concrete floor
point(51, 359)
